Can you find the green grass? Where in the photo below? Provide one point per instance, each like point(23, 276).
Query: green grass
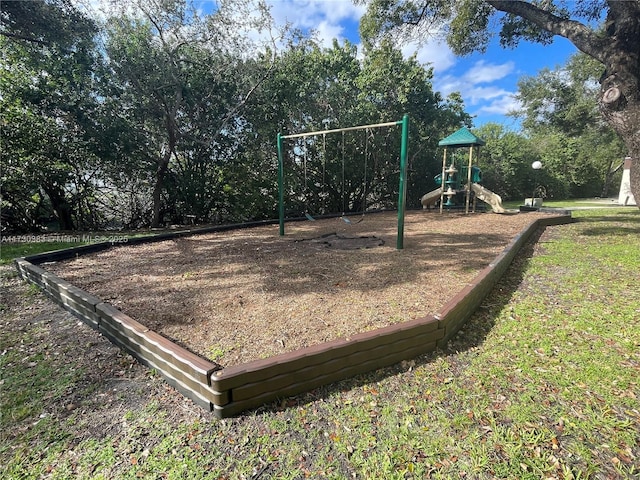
point(570, 204)
point(27, 387)
point(14, 246)
point(9, 251)
point(543, 382)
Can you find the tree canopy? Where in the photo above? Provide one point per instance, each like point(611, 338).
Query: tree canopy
point(48, 99)
point(606, 30)
point(159, 115)
point(562, 128)
point(560, 113)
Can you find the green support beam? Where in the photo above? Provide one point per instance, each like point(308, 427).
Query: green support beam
point(403, 169)
point(402, 190)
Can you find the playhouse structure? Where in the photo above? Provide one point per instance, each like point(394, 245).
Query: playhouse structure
point(460, 179)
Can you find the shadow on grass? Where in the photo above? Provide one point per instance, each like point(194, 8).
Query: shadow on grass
point(612, 231)
point(609, 224)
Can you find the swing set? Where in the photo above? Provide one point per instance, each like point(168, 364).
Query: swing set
point(402, 190)
point(309, 214)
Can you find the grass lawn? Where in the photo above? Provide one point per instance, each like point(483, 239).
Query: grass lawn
point(578, 203)
point(9, 251)
point(543, 383)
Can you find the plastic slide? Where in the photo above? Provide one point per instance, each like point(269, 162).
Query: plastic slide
point(430, 198)
point(489, 197)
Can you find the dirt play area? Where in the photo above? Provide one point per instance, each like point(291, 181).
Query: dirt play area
point(247, 294)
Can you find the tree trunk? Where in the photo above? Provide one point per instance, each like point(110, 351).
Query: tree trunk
point(620, 105)
point(163, 163)
point(620, 84)
point(60, 206)
point(157, 200)
point(617, 49)
point(634, 174)
point(608, 178)
point(161, 171)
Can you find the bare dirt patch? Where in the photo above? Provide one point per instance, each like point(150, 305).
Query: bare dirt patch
point(242, 295)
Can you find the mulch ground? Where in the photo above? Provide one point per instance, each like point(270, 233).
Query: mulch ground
point(242, 295)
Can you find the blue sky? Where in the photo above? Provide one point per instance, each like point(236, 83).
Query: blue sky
point(487, 81)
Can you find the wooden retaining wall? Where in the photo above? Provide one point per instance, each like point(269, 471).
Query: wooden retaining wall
point(232, 390)
point(184, 370)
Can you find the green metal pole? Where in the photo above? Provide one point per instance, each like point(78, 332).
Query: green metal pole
point(281, 184)
point(403, 181)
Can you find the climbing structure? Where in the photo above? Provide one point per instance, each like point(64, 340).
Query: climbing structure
point(456, 180)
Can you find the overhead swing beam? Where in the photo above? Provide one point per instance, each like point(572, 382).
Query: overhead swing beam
point(345, 129)
point(402, 191)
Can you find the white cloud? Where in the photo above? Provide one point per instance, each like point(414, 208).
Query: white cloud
point(337, 10)
point(480, 87)
point(326, 17)
point(502, 105)
point(327, 31)
point(479, 73)
point(482, 94)
point(482, 72)
point(434, 53)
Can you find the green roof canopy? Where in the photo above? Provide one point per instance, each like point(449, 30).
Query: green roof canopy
point(461, 138)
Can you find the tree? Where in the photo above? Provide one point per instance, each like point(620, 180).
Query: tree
point(316, 88)
point(468, 28)
point(390, 86)
point(506, 161)
point(51, 23)
point(47, 82)
point(560, 114)
point(182, 78)
point(175, 114)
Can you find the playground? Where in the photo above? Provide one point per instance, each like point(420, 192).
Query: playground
point(243, 295)
point(549, 326)
point(235, 316)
